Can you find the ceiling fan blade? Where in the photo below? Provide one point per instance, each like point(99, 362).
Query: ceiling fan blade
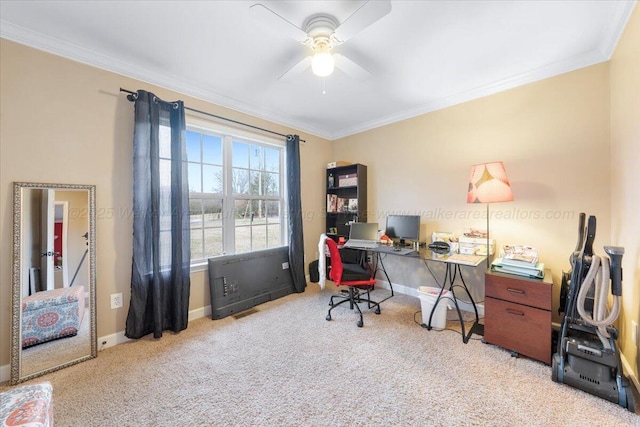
point(297, 69)
point(349, 67)
point(275, 22)
point(366, 15)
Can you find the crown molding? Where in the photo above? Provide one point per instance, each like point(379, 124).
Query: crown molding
point(610, 37)
point(611, 34)
point(77, 53)
point(532, 76)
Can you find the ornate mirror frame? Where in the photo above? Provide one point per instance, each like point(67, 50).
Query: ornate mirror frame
point(19, 190)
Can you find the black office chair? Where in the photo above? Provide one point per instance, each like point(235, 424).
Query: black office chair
point(359, 281)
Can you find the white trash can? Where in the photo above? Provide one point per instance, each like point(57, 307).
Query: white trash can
point(428, 297)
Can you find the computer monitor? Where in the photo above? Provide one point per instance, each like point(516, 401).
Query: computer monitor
point(403, 227)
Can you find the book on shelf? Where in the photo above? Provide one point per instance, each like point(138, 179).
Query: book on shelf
point(337, 204)
point(520, 255)
point(332, 201)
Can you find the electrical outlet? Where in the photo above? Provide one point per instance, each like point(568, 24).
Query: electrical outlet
point(116, 300)
point(635, 331)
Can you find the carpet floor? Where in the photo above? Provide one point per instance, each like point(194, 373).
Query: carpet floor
point(285, 365)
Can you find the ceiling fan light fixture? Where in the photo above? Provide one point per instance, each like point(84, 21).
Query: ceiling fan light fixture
point(322, 64)
point(322, 32)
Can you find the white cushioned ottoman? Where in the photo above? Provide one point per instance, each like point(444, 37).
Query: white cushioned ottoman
point(49, 315)
point(27, 406)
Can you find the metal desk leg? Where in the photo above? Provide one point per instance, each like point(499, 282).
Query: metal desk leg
point(447, 276)
point(464, 285)
point(451, 272)
point(476, 328)
point(452, 279)
point(379, 266)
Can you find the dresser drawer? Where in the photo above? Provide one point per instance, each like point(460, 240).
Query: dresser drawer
point(531, 292)
point(515, 327)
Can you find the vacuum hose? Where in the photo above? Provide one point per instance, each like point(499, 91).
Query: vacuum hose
point(598, 275)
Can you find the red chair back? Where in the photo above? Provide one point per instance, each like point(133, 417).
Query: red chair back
point(336, 271)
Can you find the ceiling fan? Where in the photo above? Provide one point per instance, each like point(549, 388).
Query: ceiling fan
point(322, 32)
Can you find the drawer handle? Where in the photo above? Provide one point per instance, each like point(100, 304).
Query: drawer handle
point(515, 312)
point(515, 291)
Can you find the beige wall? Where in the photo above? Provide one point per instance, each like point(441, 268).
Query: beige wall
point(625, 177)
point(553, 137)
point(570, 144)
point(65, 122)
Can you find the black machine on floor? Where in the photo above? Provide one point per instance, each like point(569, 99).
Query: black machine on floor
point(587, 356)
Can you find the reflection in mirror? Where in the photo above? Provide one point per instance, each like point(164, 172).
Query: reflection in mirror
point(54, 316)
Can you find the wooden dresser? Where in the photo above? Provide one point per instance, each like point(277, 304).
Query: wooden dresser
point(518, 314)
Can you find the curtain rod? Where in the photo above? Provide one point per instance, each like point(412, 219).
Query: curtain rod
point(132, 95)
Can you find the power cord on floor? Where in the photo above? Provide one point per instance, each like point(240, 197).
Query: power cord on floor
point(424, 325)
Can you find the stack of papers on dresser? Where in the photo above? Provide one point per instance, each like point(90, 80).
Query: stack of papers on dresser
point(519, 260)
point(536, 271)
point(519, 255)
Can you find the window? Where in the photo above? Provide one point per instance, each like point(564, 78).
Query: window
point(236, 194)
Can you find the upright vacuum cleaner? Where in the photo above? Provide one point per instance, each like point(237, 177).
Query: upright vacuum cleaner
point(587, 357)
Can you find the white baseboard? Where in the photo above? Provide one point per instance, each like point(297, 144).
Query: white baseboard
point(629, 371)
point(5, 373)
point(200, 312)
point(107, 341)
point(111, 340)
point(406, 290)
point(119, 337)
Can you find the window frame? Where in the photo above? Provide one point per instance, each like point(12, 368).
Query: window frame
point(228, 136)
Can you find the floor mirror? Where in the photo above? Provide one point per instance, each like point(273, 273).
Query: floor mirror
point(54, 278)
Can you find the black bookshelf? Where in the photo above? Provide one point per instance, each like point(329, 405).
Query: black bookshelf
point(346, 198)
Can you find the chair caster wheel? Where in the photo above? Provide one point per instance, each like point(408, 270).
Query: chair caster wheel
point(377, 310)
point(328, 317)
point(360, 324)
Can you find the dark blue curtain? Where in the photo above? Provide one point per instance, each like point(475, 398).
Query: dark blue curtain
point(296, 240)
point(160, 282)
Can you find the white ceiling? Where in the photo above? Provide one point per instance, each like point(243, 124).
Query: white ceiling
point(422, 56)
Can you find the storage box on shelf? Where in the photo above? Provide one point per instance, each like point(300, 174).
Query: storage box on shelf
point(337, 163)
point(347, 180)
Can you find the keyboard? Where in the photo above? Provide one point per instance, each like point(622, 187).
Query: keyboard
point(366, 244)
point(396, 251)
point(405, 251)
